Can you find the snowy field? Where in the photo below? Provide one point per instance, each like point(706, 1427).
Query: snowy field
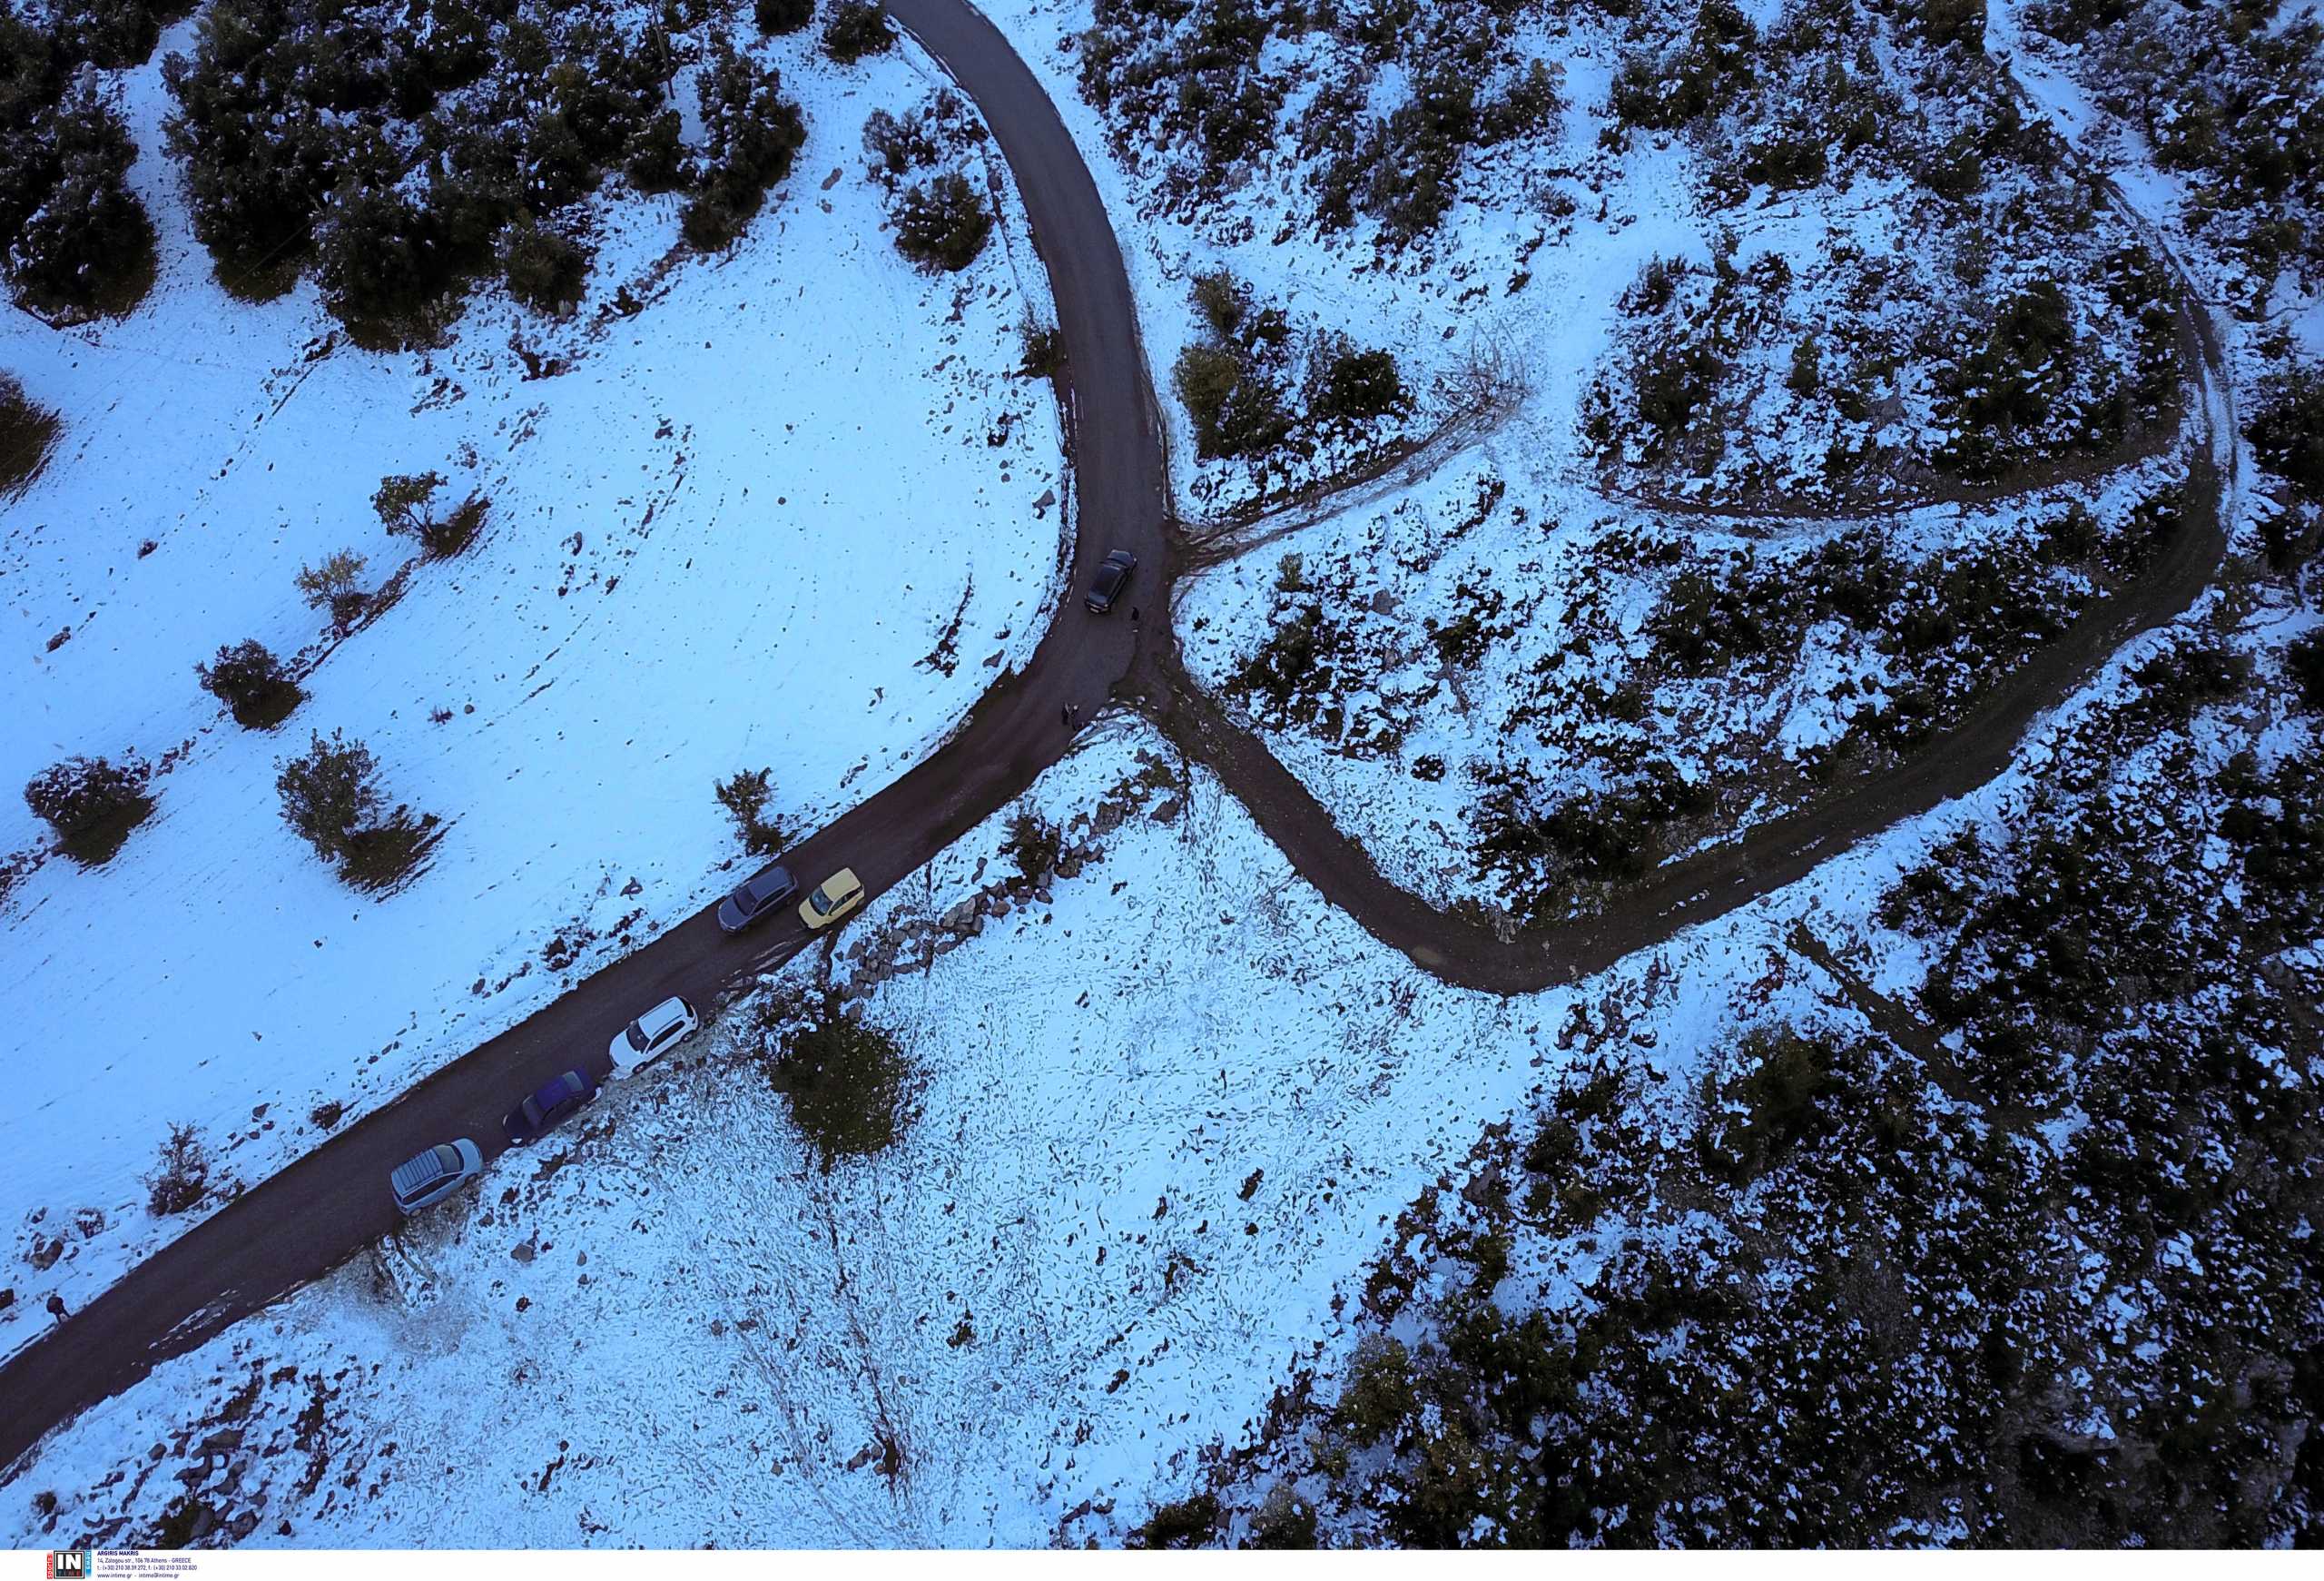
point(1164, 1120)
point(731, 532)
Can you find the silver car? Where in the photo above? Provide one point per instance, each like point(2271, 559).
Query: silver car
point(436, 1174)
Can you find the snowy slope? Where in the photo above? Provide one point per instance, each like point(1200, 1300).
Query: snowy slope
point(728, 534)
point(1162, 1118)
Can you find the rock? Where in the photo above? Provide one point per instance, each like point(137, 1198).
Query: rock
point(245, 1524)
point(226, 1439)
point(7, 1299)
point(45, 1251)
point(960, 917)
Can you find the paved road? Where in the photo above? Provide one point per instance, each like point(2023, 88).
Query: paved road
point(329, 1204)
point(326, 1207)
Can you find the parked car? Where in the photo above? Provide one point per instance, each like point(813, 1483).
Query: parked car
point(436, 1174)
point(1112, 577)
point(833, 898)
point(654, 1033)
point(550, 1108)
point(757, 898)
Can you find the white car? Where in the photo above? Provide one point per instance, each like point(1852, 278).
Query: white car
point(653, 1035)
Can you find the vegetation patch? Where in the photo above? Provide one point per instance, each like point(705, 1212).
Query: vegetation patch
point(849, 1088)
point(92, 803)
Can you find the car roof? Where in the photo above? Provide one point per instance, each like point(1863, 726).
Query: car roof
point(668, 1014)
point(420, 1172)
point(774, 881)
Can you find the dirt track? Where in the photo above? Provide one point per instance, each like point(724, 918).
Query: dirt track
point(326, 1207)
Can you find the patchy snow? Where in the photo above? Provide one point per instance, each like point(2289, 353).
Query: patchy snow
point(696, 561)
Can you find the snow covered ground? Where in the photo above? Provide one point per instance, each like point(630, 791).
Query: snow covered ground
point(733, 531)
point(1163, 1119)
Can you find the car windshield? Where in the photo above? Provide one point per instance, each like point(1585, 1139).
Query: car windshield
point(746, 900)
point(636, 1036)
point(822, 906)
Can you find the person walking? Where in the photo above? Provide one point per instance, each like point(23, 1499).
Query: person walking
point(1065, 716)
point(1133, 615)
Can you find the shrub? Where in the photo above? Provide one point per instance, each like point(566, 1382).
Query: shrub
point(252, 683)
point(387, 267)
point(181, 1179)
point(2287, 429)
point(1044, 351)
point(1379, 1393)
point(545, 270)
point(658, 161)
point(1237, 407)
point(943, 224)
point(1034, 843)
point(1187, 1523)
point(845, 1078)
point(1807, 368)
point(780, 17)
point(86, 247)
point(91, 802)
point(1359, 386)
point(856, 29)
point(28, 432)
point(2305, 662)
point(332, 586)
point(744, 795)
point(751, 133)
point(331, 799)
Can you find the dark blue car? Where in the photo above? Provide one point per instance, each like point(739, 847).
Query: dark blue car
point(550, 1108)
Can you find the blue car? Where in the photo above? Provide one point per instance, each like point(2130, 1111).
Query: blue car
point(550, 1108)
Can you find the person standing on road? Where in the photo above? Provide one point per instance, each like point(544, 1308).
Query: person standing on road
point(1065, 716)
point(1133, 615)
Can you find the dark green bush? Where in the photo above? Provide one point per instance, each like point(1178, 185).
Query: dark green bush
point(847, 1081)
point(1359, 386)
point(855, 29)
point(780, 17)
point(91, 802)
point(545, 270)
point(28, 432)
point(942, 224)
point(2304, 660)
point(252, 683)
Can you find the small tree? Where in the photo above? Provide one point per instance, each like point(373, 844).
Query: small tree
point(745, 795)
point(91, 802)
point(28, 431)
point(181, 1179)
point(856, 29)
point(331, 799)
point(331, 793)
point(545, 270)
point(332, 586)
point(780, 17)
point(1034, 843)
point(1044, 351)
point(405, 502)
point(849, 1085)
point(942, 224)
point(252, 683)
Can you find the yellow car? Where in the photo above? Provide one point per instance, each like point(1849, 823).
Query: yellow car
point(833, 898)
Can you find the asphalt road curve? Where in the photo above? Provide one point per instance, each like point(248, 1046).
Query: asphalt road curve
point(306, 1221)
